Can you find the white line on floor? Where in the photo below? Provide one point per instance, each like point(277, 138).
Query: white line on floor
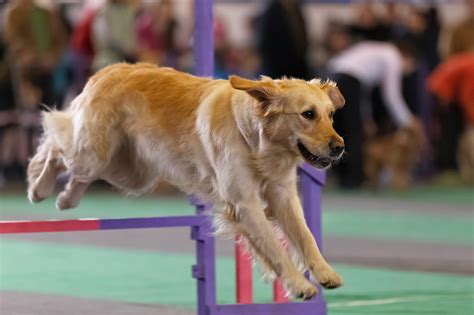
point(357, 303)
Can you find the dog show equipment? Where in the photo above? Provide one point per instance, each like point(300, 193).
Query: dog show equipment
point(204, 271)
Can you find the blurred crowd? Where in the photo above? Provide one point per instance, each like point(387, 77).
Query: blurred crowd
point(409, 112)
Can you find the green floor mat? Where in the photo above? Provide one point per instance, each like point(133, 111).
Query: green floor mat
point(433, 194)
point(145, 277)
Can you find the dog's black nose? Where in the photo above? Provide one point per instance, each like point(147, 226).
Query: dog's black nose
point(336, 148)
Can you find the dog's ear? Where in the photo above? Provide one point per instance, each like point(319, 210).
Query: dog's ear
point(262, 91)
point(334, 95)
point(332, 91)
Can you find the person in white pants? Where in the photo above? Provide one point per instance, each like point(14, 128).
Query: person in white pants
point(357, 68)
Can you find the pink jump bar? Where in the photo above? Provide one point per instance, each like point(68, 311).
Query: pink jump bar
point(7, 227)
point(244, 281)
point(10, 227)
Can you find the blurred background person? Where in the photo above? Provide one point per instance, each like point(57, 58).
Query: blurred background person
point(453, 83)
point(34, 38)
point(368, 25)
point(450, 120)
point(62, 72)
point(423, 29)
point(283, 40)
point(7, 114)
point(358, 68)
point(156, 28)
point(113, 33)
point(462, 36)
point(82, 51)
point(224, 60)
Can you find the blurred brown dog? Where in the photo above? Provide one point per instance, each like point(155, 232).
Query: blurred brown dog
point(237, 142)
point(396, 153)
point(465, 156)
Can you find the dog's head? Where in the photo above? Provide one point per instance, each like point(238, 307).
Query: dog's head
point(298, 115)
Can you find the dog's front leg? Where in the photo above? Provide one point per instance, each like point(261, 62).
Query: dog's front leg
point(287, 210)
point(262, 237)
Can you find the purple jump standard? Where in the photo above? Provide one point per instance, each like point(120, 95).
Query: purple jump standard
point(311, 183)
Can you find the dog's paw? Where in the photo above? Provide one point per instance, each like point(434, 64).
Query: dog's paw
point(34, 196)
point(63, 202)
point(302, 289)
point(327, 277)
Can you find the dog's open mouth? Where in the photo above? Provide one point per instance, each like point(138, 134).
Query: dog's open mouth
point(315, 160)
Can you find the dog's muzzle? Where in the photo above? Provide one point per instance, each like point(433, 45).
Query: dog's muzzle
point(313, 159)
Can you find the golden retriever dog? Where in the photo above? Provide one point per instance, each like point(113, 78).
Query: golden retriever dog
point(396, 153)
point(237, 142)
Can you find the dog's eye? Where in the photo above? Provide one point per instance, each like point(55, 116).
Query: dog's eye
point(309, 114)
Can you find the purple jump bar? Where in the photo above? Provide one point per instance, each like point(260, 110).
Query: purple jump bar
point(158, 222)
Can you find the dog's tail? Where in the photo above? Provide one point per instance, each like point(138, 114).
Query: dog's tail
point(45, 165)
point(58, 128)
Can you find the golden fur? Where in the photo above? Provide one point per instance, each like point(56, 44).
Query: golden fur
point(235, 141)
point(396, 153)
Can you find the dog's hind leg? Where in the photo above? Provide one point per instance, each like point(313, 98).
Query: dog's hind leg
point(71, 195)
point(84, 166)
point(43, 169)
point(48, 160)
